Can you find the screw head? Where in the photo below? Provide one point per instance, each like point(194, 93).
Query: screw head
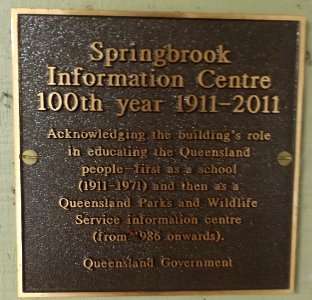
point(29, 157)
point(284, 158)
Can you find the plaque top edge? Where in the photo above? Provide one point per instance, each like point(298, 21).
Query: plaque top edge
point(159, 14)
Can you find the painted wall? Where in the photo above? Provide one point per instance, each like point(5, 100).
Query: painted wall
point(7, 198)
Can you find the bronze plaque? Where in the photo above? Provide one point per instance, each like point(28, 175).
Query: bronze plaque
point(156, 152)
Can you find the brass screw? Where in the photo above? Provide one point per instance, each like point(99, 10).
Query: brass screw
point(29, 157)
point(284, 158)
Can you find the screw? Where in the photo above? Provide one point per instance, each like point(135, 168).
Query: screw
point(29, 157)
point(284, 158)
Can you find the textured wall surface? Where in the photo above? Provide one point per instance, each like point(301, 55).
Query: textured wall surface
point(8, 290)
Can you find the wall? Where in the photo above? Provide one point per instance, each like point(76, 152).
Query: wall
point(7, 200)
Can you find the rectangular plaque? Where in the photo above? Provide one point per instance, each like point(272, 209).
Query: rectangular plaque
point(156, 152)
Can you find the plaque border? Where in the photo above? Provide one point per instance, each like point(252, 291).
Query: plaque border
point(15, 12)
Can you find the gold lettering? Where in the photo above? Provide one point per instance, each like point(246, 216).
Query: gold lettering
point(136, 105)
point(209, 79)
point(223, 220)
point(96, 48)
